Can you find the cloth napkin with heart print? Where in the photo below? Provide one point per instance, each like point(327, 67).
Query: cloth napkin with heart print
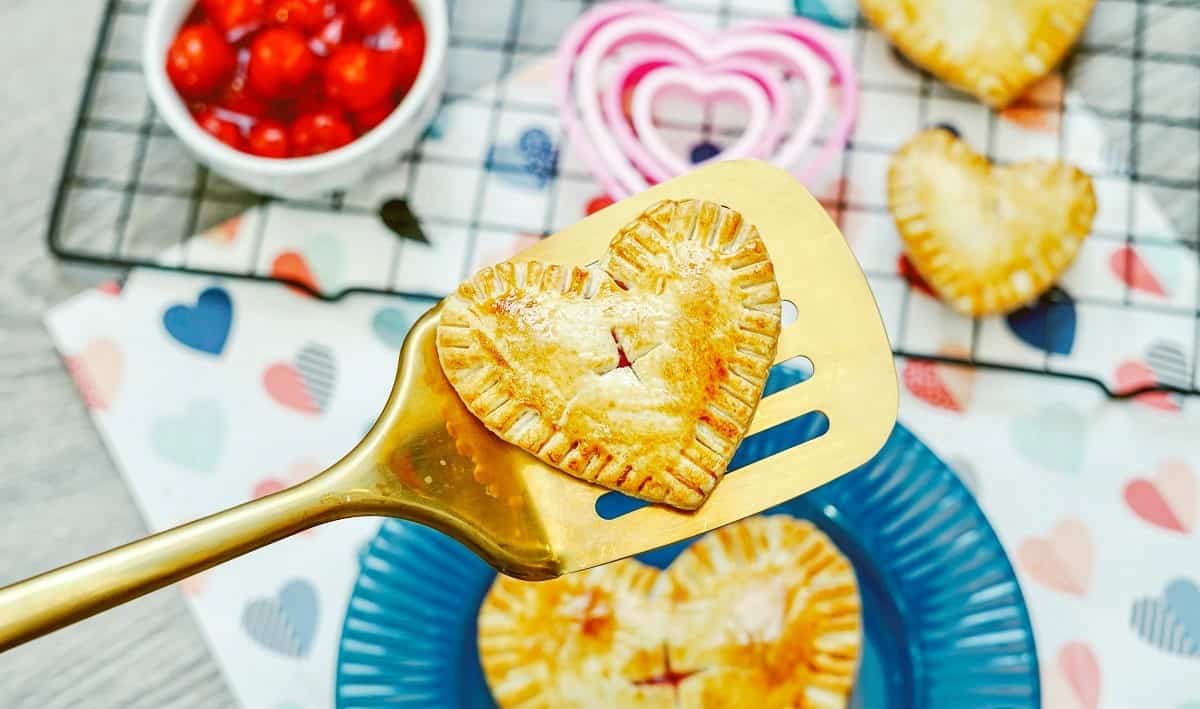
point(210, 392)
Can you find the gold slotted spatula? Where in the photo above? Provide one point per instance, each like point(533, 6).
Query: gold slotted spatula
point(428, 460)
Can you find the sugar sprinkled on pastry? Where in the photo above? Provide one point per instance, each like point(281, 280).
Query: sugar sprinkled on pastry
point(581, 640)
point(640, 373)
point(993, 49)
point(988, 239)
point(762, 613)
point(769, 605)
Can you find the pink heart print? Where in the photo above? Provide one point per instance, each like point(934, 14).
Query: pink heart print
point(1062, 560)
point(305, 385)
point(1072, 681)
point(296, 473)
point(285, 385)
point(658, 53)
point(1128, 266)
point(1133, 375)
point(945, 386)
point(97, 369)
point(1167, 498)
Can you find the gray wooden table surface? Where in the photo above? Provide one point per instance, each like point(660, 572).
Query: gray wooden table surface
point(61, 499)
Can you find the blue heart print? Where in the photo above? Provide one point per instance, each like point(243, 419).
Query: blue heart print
point(1183, 597)
point(203, 327)
point(1170, 622)
point(286, 623)
point(532, 162)
point(390, 326)
point(835, 13)
point(1048, 324)
point(704, 150)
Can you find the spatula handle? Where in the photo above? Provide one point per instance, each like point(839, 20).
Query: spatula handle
point(44, 603)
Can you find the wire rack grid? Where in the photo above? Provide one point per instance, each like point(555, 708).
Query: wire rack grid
point(130, 196)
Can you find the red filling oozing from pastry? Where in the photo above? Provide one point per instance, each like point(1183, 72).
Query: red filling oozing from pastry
point(622, 360)
point(668, 676)
point(597, 616)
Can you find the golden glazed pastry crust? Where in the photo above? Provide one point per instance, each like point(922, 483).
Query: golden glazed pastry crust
point(762, 613)
point(640, 373)
point(993, 49)
point(987, 239)
point(581, 640)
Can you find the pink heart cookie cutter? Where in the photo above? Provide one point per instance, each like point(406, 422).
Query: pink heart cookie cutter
point(666, 29)
point(762, 92)
point(657, 42)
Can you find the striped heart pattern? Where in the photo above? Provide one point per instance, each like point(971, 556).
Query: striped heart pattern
point(1169, 363)
point(1165, 363)
point(305, 385)
point(1170, 622)
point(285, 623)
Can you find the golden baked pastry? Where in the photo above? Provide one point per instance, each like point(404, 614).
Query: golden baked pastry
point(581, 640)
point(640, 373)
point(987, 239)
point(993, 49)
point(762, 613)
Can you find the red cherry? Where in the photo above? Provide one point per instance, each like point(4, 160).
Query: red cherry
point(405, 45)
point(371, 16)
point(225, 131)
point(408, 13)
point(237, 98)
point(236, 18)
point(199, 60)
point(305, 16)
point(330, 35)
point(320, 132)
point(595, 204)
point(368, 118)
point(280, 62)
point(268, 139)
point(358, 77)
point(310, 100)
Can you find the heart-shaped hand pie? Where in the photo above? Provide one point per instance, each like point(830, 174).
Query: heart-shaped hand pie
point(761, 613)
point(994, 50)
point(987, 239)
point(640, 373)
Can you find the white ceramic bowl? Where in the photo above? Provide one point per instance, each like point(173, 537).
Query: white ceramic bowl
point(306, 176)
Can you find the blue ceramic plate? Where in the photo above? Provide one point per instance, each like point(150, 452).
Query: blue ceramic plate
point(944, 620)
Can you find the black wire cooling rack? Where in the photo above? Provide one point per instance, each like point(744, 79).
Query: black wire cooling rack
point(129, 192)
